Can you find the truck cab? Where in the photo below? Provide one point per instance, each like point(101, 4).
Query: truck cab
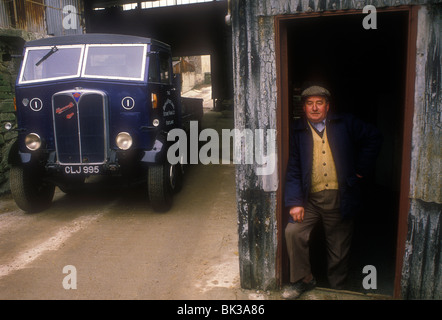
point(94, 104)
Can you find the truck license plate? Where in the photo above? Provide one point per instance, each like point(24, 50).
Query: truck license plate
point(82, 169)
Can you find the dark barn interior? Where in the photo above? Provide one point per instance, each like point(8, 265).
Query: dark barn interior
point(365, 72)
point(193, 29)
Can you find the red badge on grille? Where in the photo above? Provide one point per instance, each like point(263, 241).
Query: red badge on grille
point(76, 96)
point(61, 110)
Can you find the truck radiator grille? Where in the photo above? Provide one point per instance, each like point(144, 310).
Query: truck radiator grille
point(80, 127)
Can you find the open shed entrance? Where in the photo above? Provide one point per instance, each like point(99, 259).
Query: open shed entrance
point(369, 75)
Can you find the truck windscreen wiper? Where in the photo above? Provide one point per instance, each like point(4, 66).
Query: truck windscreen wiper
point(47, 55)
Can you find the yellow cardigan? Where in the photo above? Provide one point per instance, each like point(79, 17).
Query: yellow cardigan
point(323, 170)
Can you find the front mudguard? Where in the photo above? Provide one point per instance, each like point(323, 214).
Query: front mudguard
point(158, 153)
point(16, 157)
point(13, 154)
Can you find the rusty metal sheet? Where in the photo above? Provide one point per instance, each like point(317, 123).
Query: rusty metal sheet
point(29, 15)
point(4, 15)
point(42, 16)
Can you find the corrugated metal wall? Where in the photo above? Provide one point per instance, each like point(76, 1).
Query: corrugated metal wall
point(59, 10)
point(4, 16)
point(43, 16)
point(28, 15)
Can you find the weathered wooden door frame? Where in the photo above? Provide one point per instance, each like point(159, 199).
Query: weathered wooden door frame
point(283, 132)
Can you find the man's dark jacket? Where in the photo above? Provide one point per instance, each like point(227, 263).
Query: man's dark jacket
point(354, 145)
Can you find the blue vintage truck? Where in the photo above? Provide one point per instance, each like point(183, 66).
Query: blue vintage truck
point(94, 104)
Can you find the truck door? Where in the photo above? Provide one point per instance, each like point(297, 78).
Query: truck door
point(169, 94)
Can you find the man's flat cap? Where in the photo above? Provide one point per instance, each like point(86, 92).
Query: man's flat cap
point(315, 91)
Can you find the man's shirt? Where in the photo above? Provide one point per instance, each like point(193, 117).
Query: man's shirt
point(319, 126)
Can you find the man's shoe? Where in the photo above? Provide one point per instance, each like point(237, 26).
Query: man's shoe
point(295, 290)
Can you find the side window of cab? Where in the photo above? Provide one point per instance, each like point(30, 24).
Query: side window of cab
point(154, 70)
point(165, 68)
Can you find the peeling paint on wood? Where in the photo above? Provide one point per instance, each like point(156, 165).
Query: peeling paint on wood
point(277, 7)
point(422, 272)
point(255, 100)
point(426, 180)
point(422, 262)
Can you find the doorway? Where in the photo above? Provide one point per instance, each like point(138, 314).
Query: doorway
point(368, 74)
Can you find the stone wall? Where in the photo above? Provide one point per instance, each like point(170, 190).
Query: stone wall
point(7, 138)
point(11, 47)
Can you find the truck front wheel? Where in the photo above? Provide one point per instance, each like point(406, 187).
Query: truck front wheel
point(30, 192)
point(162, 180)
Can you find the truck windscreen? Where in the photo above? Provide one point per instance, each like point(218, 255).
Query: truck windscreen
point(45, 63)
point(103, 61)
point(126, 62)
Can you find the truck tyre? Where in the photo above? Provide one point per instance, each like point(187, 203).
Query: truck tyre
point(161, 186)
point(28, 189)
point(176, 177)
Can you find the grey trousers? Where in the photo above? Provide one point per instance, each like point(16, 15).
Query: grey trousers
point(322, 207)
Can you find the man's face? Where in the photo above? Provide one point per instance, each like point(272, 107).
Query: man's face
point(316, 108)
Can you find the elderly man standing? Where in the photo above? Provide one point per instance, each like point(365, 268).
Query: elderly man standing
point(329, 156)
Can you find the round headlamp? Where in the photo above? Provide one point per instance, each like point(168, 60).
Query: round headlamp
point(33, 141)
point(124, 140)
